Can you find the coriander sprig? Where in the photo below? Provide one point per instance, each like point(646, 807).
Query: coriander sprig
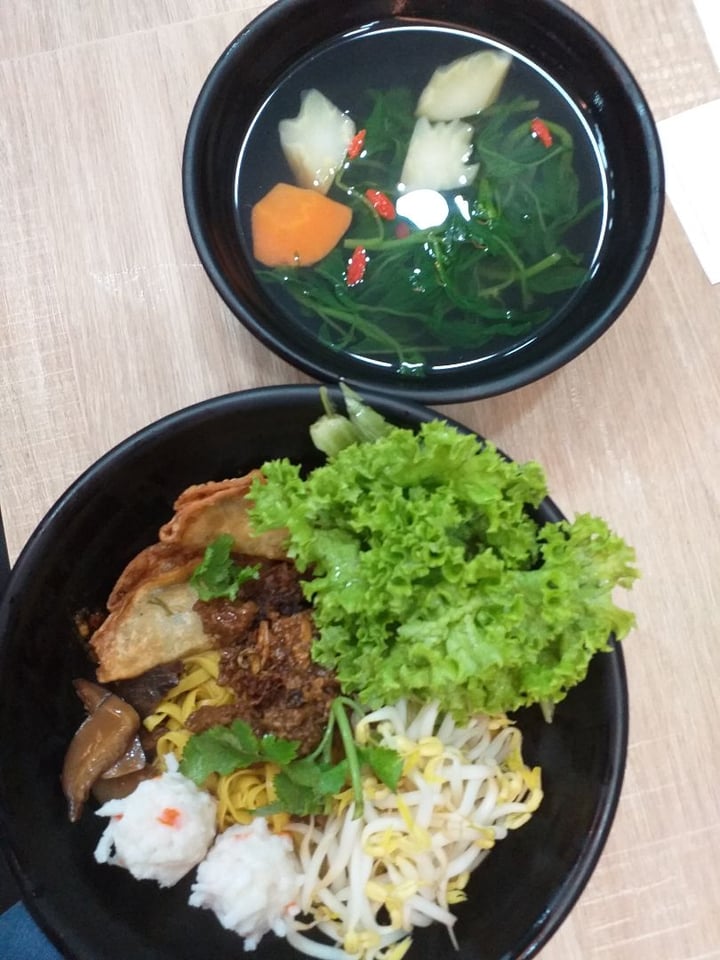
point(303, 785)
point(217, 575)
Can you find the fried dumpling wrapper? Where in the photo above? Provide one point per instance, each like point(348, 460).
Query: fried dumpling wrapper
point(206, 510)
point(151, 619)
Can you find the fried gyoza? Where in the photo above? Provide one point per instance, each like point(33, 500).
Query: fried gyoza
point(151, 616)
point(206, 510)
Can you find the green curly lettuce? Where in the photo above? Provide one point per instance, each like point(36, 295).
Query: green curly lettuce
point(432, 579)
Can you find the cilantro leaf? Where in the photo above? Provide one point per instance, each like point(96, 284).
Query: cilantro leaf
point(223, 750)
point(304, 773)
point(279, 751)
point(333, 778)
point(217, 575)
point(386, 764)
point(304, 786)
point(293, 797)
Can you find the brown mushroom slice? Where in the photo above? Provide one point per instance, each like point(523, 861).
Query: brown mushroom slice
point(100, 741)
point(91, 694)
point(117, 788)
point(131, 761)
point(147, 690)
point(206, 510)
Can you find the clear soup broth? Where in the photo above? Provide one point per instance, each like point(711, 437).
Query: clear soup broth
point(507, 255)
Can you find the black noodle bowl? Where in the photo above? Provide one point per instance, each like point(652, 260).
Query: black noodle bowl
point(517, 898)
point(600, 101)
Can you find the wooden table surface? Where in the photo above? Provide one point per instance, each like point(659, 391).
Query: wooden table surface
point(107, 322)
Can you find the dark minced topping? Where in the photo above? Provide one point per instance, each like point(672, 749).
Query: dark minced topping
point(265, 636)
point(278, 688)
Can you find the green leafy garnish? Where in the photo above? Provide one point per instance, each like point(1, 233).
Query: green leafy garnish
point(506, 256)
point(225, 749)
point(218, 575)
point(433, 579)
point(386, 764)
point(303, 787)
point(304, 784)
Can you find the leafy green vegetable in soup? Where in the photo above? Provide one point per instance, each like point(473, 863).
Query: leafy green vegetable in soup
point(432, 579)
point(467, 233)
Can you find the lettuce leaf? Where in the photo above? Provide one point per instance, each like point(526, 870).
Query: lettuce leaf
point(431, 578)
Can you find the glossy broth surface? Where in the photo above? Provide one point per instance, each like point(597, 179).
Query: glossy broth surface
point(430, 335)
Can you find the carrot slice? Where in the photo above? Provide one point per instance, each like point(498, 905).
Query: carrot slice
point(293, 226)
point(169, 817)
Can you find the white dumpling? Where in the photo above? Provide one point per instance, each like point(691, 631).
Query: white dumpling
point(316, 141)
point(437, 156)
point(464, 87)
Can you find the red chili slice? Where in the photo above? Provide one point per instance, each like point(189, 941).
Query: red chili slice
point(356, 266)
point(381, 204)
point(356, 145)
point(540, 129)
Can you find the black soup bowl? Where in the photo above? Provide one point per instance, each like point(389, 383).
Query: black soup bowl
point(431, 344)
point(516, 899)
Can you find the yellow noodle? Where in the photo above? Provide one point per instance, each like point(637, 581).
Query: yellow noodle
point(198, 687)
point(237, 793)
point(244, 790)
point(173, 742)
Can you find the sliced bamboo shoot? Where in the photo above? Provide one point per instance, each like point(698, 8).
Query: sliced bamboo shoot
point(316, 140)
point(464, 87)
point(437, 156)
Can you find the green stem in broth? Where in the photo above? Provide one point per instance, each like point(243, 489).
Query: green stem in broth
point(462, 283)
point(524, 274)
point(389, 243)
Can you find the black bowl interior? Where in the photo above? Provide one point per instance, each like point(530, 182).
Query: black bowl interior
point(547, 32)
point(517, 898)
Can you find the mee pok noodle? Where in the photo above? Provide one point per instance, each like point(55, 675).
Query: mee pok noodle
point(237, 793)
point(430, 274)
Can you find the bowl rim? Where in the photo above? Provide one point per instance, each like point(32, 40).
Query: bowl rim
point(429, 391)
point(39, 901)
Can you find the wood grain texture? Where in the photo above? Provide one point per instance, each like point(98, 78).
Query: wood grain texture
point(107, 321)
